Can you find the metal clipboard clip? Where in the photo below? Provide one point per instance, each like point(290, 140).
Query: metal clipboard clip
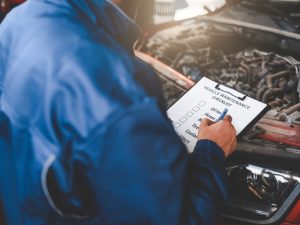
point(232, 92)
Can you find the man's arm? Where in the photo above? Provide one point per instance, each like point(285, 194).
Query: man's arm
point(206, 189)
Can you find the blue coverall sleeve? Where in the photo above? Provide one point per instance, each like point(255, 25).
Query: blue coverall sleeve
point(207, 186)
point(137, 171)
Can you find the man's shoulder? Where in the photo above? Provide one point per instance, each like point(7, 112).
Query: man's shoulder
point(61, 69)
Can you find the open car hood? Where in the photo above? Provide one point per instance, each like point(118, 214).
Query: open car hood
point(243, 46)
point(279, 14)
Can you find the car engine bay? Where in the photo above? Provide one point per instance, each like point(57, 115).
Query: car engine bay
point(264, 173)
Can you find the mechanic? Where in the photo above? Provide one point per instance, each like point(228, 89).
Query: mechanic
point(84, 135)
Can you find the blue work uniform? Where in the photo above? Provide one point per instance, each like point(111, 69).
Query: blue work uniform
point(84, 137)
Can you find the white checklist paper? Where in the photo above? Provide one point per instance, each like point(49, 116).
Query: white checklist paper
point(208, 99)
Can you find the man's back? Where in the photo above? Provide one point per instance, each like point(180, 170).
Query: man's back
point(87, 143)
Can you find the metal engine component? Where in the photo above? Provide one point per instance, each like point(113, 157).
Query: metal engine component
point(266, 76)
point(170, 90)
point(268, 188)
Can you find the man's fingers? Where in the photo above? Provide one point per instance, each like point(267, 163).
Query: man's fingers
point(206, 122)
point(228, 118)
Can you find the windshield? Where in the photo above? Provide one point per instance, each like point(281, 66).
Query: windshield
point(172, 10)
point(285, 1)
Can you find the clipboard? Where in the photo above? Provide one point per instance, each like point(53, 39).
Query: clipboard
point(207, 99)
point(242, 96)
point(231, 91)
point(254, 121)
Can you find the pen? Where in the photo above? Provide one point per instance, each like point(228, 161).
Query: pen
point(222, 115)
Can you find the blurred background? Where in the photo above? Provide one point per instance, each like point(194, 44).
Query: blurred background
point(170, 10)
point(149, 12)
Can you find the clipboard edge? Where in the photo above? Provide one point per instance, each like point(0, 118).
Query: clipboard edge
point(254, 121)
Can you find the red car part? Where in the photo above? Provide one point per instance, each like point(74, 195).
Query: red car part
point(7, 5)
point(281, 132)
point(293, 217)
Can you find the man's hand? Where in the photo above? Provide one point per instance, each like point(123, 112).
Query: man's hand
point(222, 133)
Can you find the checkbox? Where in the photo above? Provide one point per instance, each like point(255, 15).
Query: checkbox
point(202, 103)
point(177, 125)
point(196, 108)
point(183, 120)
point(189, 114)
